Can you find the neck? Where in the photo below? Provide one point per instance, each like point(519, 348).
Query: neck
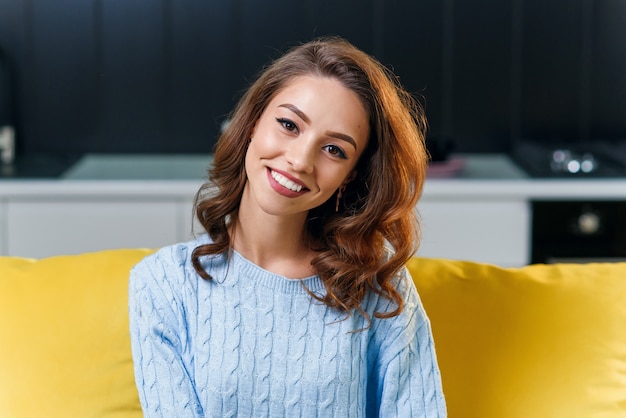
point(275, 243)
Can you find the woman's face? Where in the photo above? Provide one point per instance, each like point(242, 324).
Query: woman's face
point(305, 145)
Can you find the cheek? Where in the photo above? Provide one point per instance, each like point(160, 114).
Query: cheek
point(257, 148)
point(330, 179)
point(264, 143)
point(260, 148)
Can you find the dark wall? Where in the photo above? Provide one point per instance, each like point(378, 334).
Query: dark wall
point(160, 75)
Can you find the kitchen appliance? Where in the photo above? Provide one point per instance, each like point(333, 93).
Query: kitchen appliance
point(578, 231)
point(575, 230)
point(585, 159)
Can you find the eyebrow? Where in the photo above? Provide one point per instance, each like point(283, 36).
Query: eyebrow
point(297, 111)
point(343, 137)
point(306, 119)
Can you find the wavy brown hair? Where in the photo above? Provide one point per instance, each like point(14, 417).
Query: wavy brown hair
point(378, 207)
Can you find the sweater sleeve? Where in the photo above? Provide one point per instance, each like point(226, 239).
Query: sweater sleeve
point(409, 382)
point(158, 338)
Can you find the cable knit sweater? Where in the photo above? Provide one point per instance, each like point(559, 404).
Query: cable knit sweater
point(253, 344)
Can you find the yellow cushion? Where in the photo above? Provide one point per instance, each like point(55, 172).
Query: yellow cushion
point(65, 348)
point(540, 341)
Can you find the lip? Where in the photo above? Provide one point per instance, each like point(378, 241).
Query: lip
point(282, 190)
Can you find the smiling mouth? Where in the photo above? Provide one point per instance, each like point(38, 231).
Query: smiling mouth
point(285, 182)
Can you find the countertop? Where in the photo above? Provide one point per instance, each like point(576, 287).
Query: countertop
point(479, 176)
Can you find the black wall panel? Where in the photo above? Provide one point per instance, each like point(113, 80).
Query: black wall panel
point(413, 48)
point(480, 100)
point(607, 84)
point(161, 75)
point(552, 68)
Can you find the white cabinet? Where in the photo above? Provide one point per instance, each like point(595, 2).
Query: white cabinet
point(492, 231)
point(489, 230)
point(190, 225)
point(45, 227)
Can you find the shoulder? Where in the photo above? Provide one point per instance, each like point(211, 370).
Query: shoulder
point(396, 333)
point(170, 266)
point(404, 285)
point(178, 253)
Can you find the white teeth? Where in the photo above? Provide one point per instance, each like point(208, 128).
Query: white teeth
point(285, 182)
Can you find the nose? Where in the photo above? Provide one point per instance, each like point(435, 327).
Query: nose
point(301, 155)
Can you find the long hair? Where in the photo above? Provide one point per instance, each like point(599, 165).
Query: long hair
point(377, 207)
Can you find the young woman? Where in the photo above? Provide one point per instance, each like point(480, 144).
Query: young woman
point(296, 301)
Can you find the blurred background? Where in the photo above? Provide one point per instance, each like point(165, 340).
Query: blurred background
point(155, 76)
point(138, 89)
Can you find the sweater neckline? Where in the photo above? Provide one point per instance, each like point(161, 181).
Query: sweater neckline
point(275, 281)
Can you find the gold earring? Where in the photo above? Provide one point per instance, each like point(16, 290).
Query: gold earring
point(339, 194)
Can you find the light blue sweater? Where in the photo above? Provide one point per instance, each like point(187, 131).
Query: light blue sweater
point(254, 344)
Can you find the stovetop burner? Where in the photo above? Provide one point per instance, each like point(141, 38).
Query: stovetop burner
point(577, 160)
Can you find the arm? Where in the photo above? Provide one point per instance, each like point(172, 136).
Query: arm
point(408, 378)
point(158, 335)
point(411, 383)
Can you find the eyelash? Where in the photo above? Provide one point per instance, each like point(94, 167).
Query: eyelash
point(291, 126)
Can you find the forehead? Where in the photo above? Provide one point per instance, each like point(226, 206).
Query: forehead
point(323, 95)
point(313, 82)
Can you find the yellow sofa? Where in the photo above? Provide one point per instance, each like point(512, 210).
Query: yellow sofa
point(543, 341)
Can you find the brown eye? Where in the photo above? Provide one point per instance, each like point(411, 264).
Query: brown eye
point(287, 124)
point(335, 151)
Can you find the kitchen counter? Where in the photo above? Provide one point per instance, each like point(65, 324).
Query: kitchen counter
point(119, 175)
point(481, 177)
point(140, 167)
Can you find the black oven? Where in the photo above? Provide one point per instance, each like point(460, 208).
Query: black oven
point(578, 231)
